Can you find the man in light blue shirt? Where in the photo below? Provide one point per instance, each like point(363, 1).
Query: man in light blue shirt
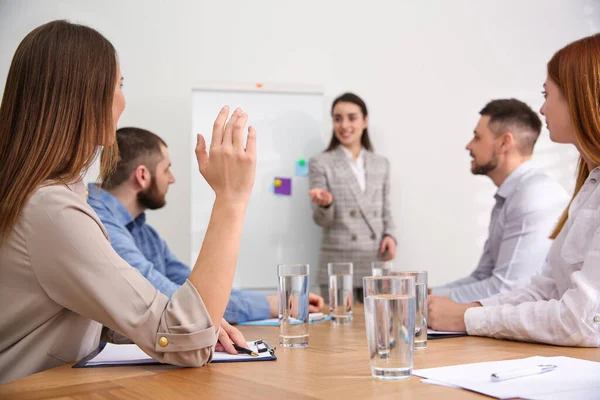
point(139, 183)
point(528, 203)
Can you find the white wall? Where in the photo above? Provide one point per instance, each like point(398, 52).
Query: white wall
point(424, 67)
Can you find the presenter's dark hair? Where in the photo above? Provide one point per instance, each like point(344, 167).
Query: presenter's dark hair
point(354, 99)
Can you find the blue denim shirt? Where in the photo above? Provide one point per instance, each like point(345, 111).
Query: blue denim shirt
point(142, 247)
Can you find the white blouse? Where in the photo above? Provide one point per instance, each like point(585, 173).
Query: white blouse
point(561, 305)
point(357, 167)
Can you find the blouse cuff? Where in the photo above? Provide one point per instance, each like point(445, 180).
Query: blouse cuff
point(490, 301)
point(186, 324)
point(475, 321)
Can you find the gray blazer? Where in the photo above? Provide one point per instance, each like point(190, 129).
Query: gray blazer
point(356, 221)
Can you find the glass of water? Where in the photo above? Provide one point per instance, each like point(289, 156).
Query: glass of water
point(341, 296)
point(420, 307)
point(293, 305)
point(381, 268)
point(390, 324)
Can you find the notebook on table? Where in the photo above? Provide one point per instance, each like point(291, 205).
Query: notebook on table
point(431, 334)
point(313, 319)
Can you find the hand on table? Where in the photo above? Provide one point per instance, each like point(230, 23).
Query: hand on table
point(447, 315)
point(229, 335)
point(315, 304)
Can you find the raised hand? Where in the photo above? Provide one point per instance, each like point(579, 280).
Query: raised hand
point(230, 168)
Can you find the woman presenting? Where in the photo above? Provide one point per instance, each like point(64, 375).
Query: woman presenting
point(350, 193)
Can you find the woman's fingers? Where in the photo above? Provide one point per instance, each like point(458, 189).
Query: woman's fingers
point(228, 132)
point(219, 126)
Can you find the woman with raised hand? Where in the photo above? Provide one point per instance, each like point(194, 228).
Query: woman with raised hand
point(60, 279)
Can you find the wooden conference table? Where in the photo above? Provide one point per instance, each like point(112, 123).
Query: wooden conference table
point(335, 365)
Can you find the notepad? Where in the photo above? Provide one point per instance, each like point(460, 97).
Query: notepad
point(313, 319)
point(130, 354)
point(572, 379)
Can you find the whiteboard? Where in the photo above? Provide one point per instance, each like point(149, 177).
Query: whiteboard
point(277, 229)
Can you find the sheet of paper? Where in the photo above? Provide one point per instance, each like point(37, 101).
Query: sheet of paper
point(220, 356)
point(589, 393)
point(120, 354)
point(432, 332)
point(572, 377)
point(262, 322)
point(117, 354)
point(438, 383)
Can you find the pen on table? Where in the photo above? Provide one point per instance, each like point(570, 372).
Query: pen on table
point(245, 350)
point(518, 373)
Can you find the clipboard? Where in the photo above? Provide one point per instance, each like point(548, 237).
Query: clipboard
point(131, 355)
point(446, 336)
point(432, 335)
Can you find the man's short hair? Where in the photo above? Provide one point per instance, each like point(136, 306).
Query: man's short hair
point(136, 147)
point(512, 115)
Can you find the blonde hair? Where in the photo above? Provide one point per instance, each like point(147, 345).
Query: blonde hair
point(55, 112)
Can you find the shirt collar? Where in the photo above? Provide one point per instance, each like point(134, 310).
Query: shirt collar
point(78, 187)
point(512, 181)
point(114, 205)
point(348, 154)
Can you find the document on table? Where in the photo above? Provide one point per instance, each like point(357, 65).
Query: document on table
point(131, 354)
point(313, 319)
point(571, 379)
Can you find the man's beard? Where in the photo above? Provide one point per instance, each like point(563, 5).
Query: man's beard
point(151, 198)
point(484, 169)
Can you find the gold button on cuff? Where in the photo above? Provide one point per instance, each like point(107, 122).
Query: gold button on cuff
point(163, 341)
point(373, 237)
point(353, 213)
point(354, 237)
point(597, 318)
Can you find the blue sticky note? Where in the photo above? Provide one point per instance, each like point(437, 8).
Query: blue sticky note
point(302, 168)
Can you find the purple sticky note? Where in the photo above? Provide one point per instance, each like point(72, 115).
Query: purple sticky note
point(283, 186)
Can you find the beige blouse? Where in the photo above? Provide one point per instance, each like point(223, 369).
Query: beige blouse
point(60, 281)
